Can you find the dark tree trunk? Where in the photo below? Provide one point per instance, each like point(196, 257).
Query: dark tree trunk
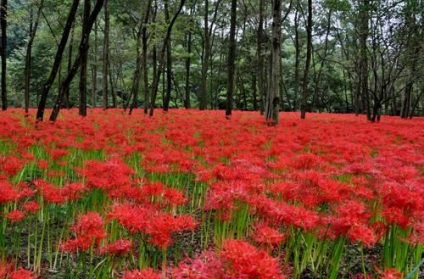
point(254, 93)
point(205, 59)
point(307, 63)
point(83, 47)
point(363, 37)
point(156, 79)
point(187, 66)
point(94, 76)
point(105, 56)
point(260, 69)
point(167, 98)
point(231, 60)
point(57, 60)
point(28, 57)
point(137, 72)
point(84, 60)
point(3, 53)
point(144, 58)
point(297, 60)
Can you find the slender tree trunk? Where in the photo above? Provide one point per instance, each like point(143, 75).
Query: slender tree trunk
point(84, 59)
point(144, 58)
point(28, 57)
point(273, 100)
point(94, 77)
point(363, 37)
point(187, 66)
point(205, 59)
point(254, 93)
point(105, 56)
point(83, 47)
point(322, 63)
point(3, 53)
point(137, 72)
point(168, 64)
point(231, 60)
point(57, 60)
point(156, 79)
point(307, 63)
point(297, 59)
point(260, 67)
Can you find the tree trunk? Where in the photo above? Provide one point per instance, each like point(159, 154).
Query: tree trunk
point(168, 64)
point(273, 100)
point(136, 78)
point(144, 58)
point(3, 53)
point(156, 79)
point(187, 66)
point(84, 60)
point(322, 63)
point(297, 60)
point(363, 37)
point(231, 60)
point(28, 57)
point(260, 69)
point(105, 56)
point(57, 60)
point(307, 63)
point(205, 59)
point(94, 77)
point(83, 47)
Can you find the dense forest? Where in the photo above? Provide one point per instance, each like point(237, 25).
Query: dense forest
point(346, 56)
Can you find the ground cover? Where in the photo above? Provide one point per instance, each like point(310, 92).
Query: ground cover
point(189, 194)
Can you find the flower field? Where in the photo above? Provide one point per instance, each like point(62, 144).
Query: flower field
point(190, 194)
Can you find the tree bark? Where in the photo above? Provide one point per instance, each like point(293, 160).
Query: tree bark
point(231, 60)
point(167, 98)
point(144, 58)
point(273, 100)
point(105, 56)
point(156, 79)
point(57, 60)
point(3, 53)
point(83, 47)
point(187, 102)
point(28, 57)
point(205, 59)
point(307, 63)
point(94, 77)
point(260, 69)
point(84, 59)
point(363, 37)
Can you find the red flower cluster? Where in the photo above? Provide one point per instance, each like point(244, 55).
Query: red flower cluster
point(89, 231)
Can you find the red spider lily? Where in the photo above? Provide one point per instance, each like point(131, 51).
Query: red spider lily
point(107, 175)
point(89, 231)
point(31, 206)
point(118, 247)
point(7, 193)
point(73, 191)
point(141, 274)
point(245, 261)
point(42, 164)
point(390, 273)
point(11, 165)
point(158, 225)
point(206, 265)
point(49, 192)
point(15, 216)
point(21, 274)
point(267, 235)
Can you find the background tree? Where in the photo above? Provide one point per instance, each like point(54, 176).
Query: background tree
point(3, 53)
